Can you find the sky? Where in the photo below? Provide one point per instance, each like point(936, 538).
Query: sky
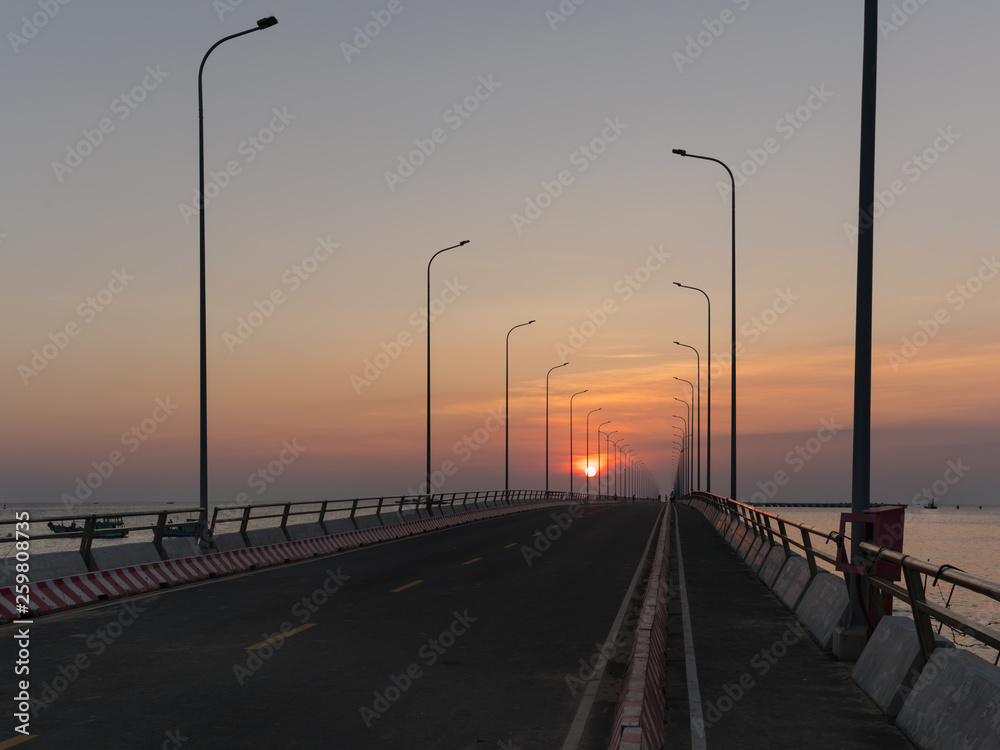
point(352, 141)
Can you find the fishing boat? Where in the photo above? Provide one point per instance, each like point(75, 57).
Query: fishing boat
point(60, 528)
point(106, 528)
point(188, 528)
point(931, 505)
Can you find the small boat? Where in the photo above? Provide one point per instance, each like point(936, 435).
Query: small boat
point(188, 528)
point(60, 528)
point(110, 528)
point(931, 505)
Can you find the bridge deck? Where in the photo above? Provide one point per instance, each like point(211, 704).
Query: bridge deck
point(761, 680)
point(445, 640)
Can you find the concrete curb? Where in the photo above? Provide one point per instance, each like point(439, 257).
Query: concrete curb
point(67, 592)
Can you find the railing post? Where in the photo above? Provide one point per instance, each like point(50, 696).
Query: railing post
point(322, 517)
point(87, 540)
point(243, 525)
point(784, 537)
point(378, 512)
point(921, 620)
point(284, 521)
point(807, 547)
point(354, 509)
point(161, 521)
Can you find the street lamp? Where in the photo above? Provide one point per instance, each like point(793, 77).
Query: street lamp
point(587, 470)
point(690, 429)
point(204, 542)
point(547, 425)
point(571, 438)
point(598, 472)
point(618, 452)
point(607, 461)
point(732, 348)
point(683, 462)
point(708, 388)
point(506, 413)
point(698, 367)
point(428, 487)
point(698, 479)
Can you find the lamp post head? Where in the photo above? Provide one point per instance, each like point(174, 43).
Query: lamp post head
point(267, 22)
point(680, 152)
point(564, 364)
point(678, 343)
point(463, 242)
point(530, 322)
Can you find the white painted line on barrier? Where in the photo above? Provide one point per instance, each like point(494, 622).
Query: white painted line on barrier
point(690, 667)
point(583, 712)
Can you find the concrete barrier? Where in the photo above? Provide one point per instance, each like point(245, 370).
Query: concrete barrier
point(181, 546)
point(124, 555)
point(752, 549)
point(736, 539)
point(763, 550)
point(891, 662)
point(731, 529)
point(772, 566)
point(47, 565)
point(745, 543)
point(305, 530)
point(228, 541)
point(262, 537)
point(823, 606)
point(792, 581)
point(955, 703)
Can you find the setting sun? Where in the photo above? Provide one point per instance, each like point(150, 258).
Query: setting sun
point(591, 471)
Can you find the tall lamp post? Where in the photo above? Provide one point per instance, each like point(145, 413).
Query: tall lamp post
point(429, 487)
point(618, 452)
point(708, 388)
point(547, 425)
point(599, 456)
point(698, 366)
point(571, 437)
point(204, 542)
point(587, 470)
point(684, 459)
point(732, 346)
point(506, 412)
point(607, 461)
point(689, 459)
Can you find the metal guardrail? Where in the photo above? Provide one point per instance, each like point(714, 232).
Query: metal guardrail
point(91, 531)
point(779, 530)
point(323, 511)
point(915, 573)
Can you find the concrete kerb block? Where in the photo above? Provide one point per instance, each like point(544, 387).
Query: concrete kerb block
point(124, 555)
point(792, 581)
point(734, 528)
point(180, 546)
point(955, 703)
point(305, 531)
point(763, 550)
point(772, 566)
point(262, 537)
point(750, 547)
point(891, 663)
point(228, 541)
point(47, 565)
point(823, 607)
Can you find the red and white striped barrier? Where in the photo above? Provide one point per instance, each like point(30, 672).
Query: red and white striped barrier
point(58, 594)
point(638, 723)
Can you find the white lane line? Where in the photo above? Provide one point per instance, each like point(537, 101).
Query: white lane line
point(583, 712)
point(694, 692)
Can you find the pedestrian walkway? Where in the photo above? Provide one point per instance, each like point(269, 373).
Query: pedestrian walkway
point(742, 672)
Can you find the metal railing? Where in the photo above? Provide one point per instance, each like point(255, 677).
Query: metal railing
point(915, 572)
point(323, 511)
point(790, 534)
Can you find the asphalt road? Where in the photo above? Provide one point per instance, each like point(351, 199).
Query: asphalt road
point(446, 640)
